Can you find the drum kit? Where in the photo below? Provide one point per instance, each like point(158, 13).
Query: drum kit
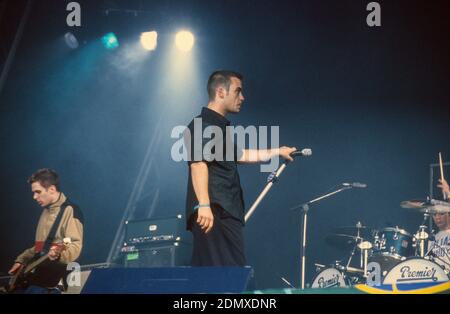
point(394, 249)
point(399, 255)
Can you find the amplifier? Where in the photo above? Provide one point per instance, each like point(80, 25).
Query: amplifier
point(161, 254)
point(147, 231)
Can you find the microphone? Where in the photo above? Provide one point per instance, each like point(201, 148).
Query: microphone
point(355, 185)
point(303, 153)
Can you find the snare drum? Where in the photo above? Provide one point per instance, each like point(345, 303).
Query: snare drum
point(330, 278)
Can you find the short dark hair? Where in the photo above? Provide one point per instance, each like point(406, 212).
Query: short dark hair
point(221, 77)
point(46, 177)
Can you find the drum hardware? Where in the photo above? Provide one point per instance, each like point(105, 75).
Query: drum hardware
point(337, 265)
point(358, 241)
point(273, 178)
point(354, 270)
point(352, 237)
point(376, 241)
point(319, 267)
point(420, 240)
point(365, 246)
point(346, 238)
point(287, 282)
point(348, 269)
point(305, 208)
point(421, 236)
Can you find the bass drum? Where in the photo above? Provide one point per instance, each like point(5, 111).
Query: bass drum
point(416, 271)
point(330, 278)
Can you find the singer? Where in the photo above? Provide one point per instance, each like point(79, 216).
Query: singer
point(214, 203)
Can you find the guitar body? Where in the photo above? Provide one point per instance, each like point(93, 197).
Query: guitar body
point(45, 274)
point(17, 281)
point(40, 271)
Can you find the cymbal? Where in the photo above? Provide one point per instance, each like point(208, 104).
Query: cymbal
point(364, 231)
point(355, 227)
point(351, 229)
point(415, 204)
point(436, 209)
point(342, 241)
point(429, 206)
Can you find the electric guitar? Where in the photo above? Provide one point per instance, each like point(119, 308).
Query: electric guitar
point(40, 270)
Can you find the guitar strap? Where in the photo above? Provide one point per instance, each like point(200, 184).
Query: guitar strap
point(52, 233)
point(49, 274)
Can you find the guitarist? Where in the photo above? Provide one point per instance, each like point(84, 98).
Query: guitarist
point(60, 219)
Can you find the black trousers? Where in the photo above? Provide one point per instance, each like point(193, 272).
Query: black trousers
point(223, 245)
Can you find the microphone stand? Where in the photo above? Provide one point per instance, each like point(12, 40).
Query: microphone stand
point(305, 209)
point(273, 178)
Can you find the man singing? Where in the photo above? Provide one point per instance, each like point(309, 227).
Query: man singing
point(215, 205)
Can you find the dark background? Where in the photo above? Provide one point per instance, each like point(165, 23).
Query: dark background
point(372, 103)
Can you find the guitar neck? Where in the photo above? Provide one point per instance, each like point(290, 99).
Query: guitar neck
point(35, 264)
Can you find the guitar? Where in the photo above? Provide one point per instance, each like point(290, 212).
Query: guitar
point(40, 270)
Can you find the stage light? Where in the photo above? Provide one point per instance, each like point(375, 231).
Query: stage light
point(70, 40)
point(184, 41)
point(110, 41)
point(149, 40)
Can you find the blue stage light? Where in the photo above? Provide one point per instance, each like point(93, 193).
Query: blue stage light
point(110, 41)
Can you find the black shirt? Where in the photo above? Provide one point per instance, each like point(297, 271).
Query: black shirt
point(224, 185)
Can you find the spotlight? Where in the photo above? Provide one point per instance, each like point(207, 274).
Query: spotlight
point(149, 40)
point(184, 41)
point(110, 41)
point(71, 40)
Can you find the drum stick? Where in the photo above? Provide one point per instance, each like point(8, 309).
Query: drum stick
point(442, 174)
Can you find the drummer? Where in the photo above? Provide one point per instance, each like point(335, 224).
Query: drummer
point(441, 246)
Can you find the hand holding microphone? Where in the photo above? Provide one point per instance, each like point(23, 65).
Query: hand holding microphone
point(289, 153)
point(303, 153)
point(286, 152)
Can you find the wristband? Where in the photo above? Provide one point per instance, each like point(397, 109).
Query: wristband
point(201, 205)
